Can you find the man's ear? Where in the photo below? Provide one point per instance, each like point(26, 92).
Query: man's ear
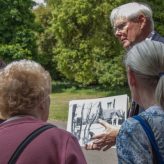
point(142, 20)
point(131, 78)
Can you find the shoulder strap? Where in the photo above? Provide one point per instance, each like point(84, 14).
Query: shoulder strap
point(27, 140)
point(151, 137)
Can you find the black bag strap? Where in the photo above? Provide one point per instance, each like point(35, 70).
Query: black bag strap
point(150, 135)
point(27, 140)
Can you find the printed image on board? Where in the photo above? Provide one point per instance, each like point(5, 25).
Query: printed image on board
point(84, 114)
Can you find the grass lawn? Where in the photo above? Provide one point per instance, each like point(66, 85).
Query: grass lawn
point(63, 93)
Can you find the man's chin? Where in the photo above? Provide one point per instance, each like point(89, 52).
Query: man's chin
point(126, 45)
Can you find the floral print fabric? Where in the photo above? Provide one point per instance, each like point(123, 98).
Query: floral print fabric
point(132, 143)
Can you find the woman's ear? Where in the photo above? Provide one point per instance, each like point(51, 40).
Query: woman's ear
point(131, 77)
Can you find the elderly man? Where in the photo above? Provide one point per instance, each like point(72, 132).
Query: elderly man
point(132, 23)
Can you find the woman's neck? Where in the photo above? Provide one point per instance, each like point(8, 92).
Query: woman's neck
point(147, 100)
point(17, 117)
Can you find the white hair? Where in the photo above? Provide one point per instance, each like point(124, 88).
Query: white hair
point(130, 11)
point(146, 59)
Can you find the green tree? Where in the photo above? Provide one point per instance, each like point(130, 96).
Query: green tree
point(46, 40)
point(86, 48)
point(17, 36)
point(79, 40)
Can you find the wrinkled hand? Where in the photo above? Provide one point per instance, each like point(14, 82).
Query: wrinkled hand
point(104, 140)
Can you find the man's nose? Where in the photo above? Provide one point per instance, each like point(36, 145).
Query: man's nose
point(118, 33)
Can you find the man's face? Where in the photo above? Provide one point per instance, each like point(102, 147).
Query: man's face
point(128, 32)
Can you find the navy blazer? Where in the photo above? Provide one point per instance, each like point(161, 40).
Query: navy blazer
point(157, 37)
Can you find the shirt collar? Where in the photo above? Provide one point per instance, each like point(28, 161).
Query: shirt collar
point(150, 35)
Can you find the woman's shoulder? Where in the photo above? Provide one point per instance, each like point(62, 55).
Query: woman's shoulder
point(153, 115)
point(130, 126)
point(61, 134)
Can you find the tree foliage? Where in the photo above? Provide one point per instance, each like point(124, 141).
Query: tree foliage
point(71, 38)
point(86, 50)
point(17, 36)
point(46, 39)
point(86, 47)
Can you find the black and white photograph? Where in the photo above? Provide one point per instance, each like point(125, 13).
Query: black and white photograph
point(84, 114)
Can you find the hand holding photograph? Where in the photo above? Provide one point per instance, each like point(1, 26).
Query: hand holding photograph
point(84, 114)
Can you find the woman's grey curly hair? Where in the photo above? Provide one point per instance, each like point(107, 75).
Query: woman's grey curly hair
point(24, 84)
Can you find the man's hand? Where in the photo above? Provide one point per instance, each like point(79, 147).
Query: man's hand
point(104, 140)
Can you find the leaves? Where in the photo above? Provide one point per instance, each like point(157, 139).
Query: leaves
point(17, 29)
point(14, 52)
point(73, 39)
point(83, 36)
